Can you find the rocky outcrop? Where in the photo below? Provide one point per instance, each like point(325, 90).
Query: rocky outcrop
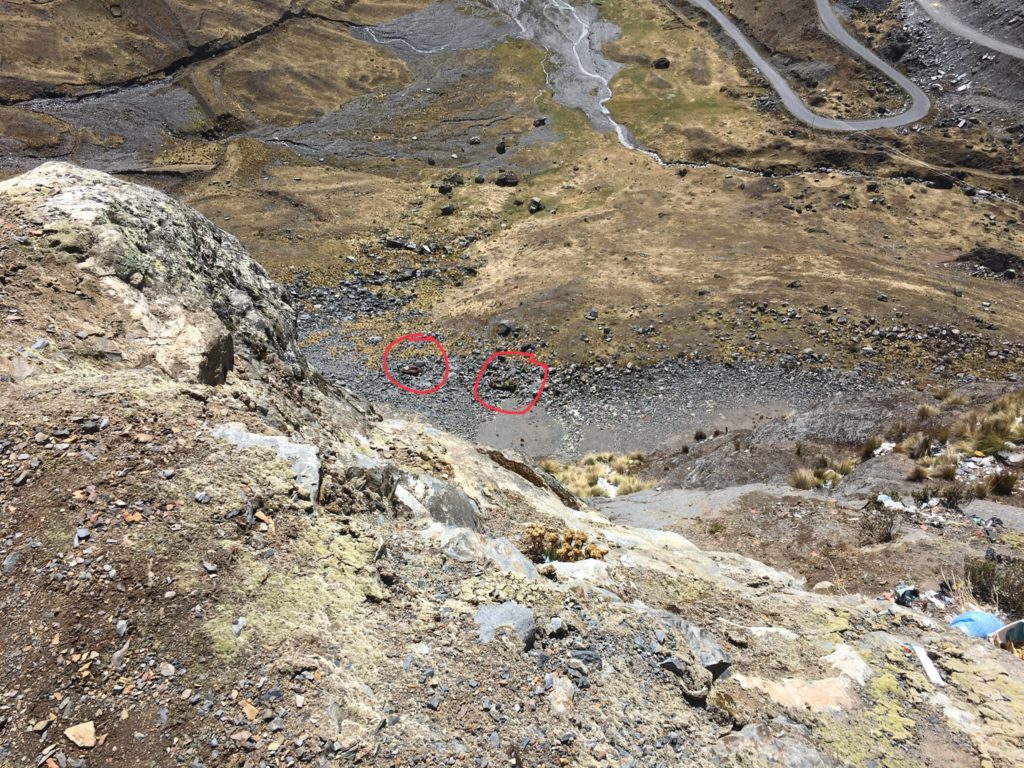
point(186, 293)
point(183, 592)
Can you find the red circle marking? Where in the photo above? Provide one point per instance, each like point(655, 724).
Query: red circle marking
point(417, 338)
point(479, 377)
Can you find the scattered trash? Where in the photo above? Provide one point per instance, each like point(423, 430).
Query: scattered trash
point(907, 595)
point(888, 502)
point(977, 623)
point(929, 666)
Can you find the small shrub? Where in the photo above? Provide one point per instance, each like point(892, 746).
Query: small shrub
point(714, 527)
point(926, 411)
point(700, 435)
point(955, 495)
point(1003, 483)
point(628, 465)
point(803, 479)
point(998, 582)
point(878, 525)
point(583, 477)
point(544, 545)
point(923, 495)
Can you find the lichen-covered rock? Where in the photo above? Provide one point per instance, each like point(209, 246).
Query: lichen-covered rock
point(188, 296)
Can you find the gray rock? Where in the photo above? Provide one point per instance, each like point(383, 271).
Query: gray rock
point(757, 744)
point(117, 660)
point(694, 680)
point(425, 495)
point(707, 650)
point(147, 248)
point(507, 179)
point(467, 546)
point(10, 563)
point(304, 458)
point(217, 360)
point(515, 462)
point(450, 505)
point(1013, 458)
point(508, 614)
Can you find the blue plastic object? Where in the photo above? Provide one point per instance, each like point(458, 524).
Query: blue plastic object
point(977, 623)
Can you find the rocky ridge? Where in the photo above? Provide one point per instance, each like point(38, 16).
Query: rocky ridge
point(211, 556)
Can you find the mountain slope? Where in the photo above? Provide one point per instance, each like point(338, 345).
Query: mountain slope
point(354, 590)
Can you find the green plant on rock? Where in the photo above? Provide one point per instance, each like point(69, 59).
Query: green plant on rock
point(545, 545)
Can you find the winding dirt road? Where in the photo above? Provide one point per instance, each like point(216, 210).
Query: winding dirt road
point(919, 106)
point(939, 13)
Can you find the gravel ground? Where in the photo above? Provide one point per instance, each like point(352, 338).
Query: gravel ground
point(589, 409)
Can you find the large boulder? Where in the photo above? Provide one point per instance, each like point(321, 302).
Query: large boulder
point(187, 295)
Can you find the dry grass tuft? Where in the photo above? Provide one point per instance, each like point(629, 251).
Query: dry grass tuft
point(584, 477)
point(867, 451)
point(990, 431)
point(1003, 483)
point(918, 474)
point(826, 472)
point(804, 479)
point(948, 397)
